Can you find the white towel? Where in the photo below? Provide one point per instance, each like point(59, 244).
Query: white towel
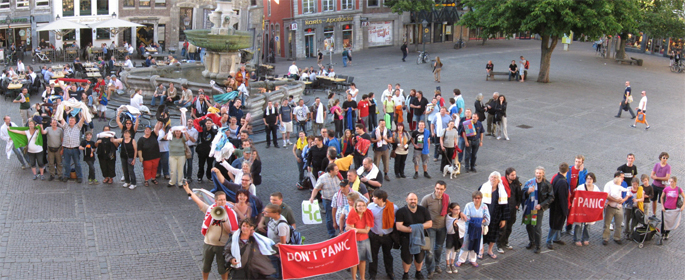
point(672, 219)
point(59, 113)
point(379, 137)
point(372, 174)
point(265, 246)
point(170, 135)
point(105, 134)
point(272, 111)
point(319, 113)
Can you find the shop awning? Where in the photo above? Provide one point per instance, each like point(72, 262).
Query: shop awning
point(62, 24)
point(114, 23)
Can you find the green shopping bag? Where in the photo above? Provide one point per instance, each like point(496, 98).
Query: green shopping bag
point(388, 123)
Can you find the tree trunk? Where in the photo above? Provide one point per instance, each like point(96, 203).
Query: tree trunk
point(621, 53)
point(546, 48)
point(485, 37)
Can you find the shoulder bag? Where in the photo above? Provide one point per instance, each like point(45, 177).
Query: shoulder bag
point(189, 154)
point(26, 148)
point(679, 202)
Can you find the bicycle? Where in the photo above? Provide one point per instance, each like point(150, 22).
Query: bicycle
point(601, 51)
point(423, 57)
point(677, 67)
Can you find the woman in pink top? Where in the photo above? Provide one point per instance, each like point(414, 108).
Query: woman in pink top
point(669, 201)
point(337, 113)
point(660, 174)
point(361, 221)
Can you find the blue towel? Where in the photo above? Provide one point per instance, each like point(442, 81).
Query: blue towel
point(416, 239)
point(350, 120)
point(475, 232)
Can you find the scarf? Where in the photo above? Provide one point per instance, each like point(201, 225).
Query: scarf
point(265, 244)
point(530, 215)
point(209, 221)
point(319, 113)
point(381, 142)
point(200, 107)
point(475, 232)
point(301, 143)
point(105, 134)
point(505, 182)
point(273, 110)
point(388, 215)
point(341, 199)
point(355, 184)
point(486, 189)
point(372, 173)
point(398, 114)
point(445, 204)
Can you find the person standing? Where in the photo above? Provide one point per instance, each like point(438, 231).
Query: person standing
point(411, 221)
point(448, 142)
point(477, 217)
point(301, 113)
point(34, 152)
point(575, 177)
point(512, 185)
point(177, 157)
point(538, 195)
point(660, 175)
point(149, 153)
point(401, 138)
point(316, 156)
point(642, 111)
point(128, 151)
point(420, 138)
point(472, 132)
point(328, 184)
point(337, 113)
point(88, 148)
point(581, 230)
point(70, 146)
point(501, 118)
point(363, 109)
point(404, 50)
point(613, 210)
point(490, 108)
point(191, 137)
point(54, 135)
point(107, 155)
point(496, 200)
point(436, 203)
point(271, 123)
point(418, 105)
point(344, 59)
point(669, 201)
point(558, 210)
point(205, 138)
point(373, 111)
point(163, 167)
point(318, 112)
point(249, 260)
point(24, 105)
point(361, 221)
point(625, 103)
point(437, 68)
point(285, 117)
point(384, 215)
point(381, 136)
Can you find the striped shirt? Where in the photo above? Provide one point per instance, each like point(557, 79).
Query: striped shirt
point(71, 137)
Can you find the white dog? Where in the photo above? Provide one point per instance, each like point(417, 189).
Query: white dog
point(453, 170)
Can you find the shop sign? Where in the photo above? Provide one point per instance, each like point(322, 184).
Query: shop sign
point(293, 26)
point(328, 20)
point(15, 20)
point(380, 34)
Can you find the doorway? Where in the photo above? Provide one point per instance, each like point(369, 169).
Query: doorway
point(86, 37)
point(309, 45)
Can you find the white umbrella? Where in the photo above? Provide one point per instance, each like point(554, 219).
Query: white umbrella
point(114, 23)
point(62, 24)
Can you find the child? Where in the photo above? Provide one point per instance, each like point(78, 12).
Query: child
point(633, 204)
point(88, 148)
point(648, 192)
point(455, 223)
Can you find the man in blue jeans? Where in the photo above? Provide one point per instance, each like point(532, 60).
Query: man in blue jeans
point(472, 132)
point(70, 143)
point(437, 233)
point(328, 183)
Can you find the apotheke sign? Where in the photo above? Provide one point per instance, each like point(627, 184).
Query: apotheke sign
point(15, 20)
point(328, 20)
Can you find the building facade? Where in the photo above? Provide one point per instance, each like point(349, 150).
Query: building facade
point(84, 12)
point(19, 20)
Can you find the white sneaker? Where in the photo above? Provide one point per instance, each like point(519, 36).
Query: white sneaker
point(499, 137)
point(289, 143)
point(122, 178)
point(125, 185)
point(611, 226)
point(507, 138)
point(131, 187)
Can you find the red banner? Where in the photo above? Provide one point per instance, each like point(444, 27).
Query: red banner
point(587, 207)
point(302, 261)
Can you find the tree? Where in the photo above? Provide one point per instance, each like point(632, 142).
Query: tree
point(551, 19)
point(400, 6)
point(663, 18)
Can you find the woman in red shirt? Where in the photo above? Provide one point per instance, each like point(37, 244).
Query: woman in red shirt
point(361, 221)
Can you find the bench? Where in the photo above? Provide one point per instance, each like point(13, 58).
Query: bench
point(493, 74)
point(619, 61)
point(637, 60)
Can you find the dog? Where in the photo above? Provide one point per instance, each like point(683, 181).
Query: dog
point(453, 170)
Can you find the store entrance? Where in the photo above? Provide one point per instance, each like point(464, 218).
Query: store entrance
point(309, 46)
point(86, 37)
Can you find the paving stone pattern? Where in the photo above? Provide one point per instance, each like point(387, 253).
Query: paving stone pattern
point(54, 230)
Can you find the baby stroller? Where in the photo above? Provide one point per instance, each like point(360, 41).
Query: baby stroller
point(645, 232)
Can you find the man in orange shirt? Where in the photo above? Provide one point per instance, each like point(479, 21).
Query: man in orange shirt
point(243, 77)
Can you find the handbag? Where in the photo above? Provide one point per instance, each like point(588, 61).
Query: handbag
point(629, 99)
point(26, 148)
point(427, 246)
point(679, 202)
point(393, 154)
point(189, 154)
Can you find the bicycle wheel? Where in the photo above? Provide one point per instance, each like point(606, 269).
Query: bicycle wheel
point(418, 59)
point(426, 58)
point(113, 123)
point(674, 68)
point(143, 124)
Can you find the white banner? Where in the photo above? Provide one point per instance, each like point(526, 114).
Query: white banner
point(311, 214)
point(380, 33)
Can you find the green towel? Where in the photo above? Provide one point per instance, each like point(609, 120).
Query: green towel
point(20, 140)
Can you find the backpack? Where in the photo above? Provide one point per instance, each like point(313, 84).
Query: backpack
point(103, 100)
point(527, 64)
point(295, 237)
point(362, 146)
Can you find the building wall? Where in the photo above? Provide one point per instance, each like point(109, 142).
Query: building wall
point(76, 15)
point(155, 15)
point(23, 18)
point(274, 26)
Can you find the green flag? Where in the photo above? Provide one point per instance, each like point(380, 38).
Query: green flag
point(21, 140)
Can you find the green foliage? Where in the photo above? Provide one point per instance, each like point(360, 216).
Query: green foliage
point(663, 18)
point(400, 6)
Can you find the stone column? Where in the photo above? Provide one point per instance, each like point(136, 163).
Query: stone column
point(216, 62)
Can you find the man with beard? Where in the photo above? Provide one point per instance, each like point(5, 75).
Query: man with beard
point(513, 187)
point(558, 210)
point(370, 175)
point(436, 204)
point(411, 220)
point(538, 195)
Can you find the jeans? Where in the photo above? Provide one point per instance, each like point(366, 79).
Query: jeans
point(180, 103)
point(553, 235)
point(300, 168)
point(301, 126)
point(581, 235)
point(629, 220)
point(163, 165)
point(620, 108)
point(373, 119)
point(91, 169)
point(404, 55)
point(188, 169)
point(471, 151)
point(344, 61)
point(20, 156)
point(437, 236)
point(378, 242)
point(161, 100)
point(461, 147)
point(329, 217)
point(513, 74)
point(72, 155)
point(129, 171)
point(535, 232)
point(276, 262)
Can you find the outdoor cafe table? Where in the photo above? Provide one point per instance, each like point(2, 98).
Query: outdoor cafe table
point(89, 65)
point(93, 75)
point(335, 80)
point(58, 74)
point(92, 69)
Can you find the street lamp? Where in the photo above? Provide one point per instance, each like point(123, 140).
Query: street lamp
point(57, 17)
point(114, 15)
point(425, 30)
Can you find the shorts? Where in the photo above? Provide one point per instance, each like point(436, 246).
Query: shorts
point(656, 197)
point(404, 251)
point(102, 108)
point(209, 252)
point(364, 250)
point(288, 126)
point(121, 91)
point(419, 156)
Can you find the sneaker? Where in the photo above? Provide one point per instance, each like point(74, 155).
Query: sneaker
point(416, 175)
point(425, 174)
point(42, 177)
point(405, 275)
point(95, 182)
point(605, 242)
point(499, 137)
point(418, 275)
point(619, 242)
point(125, 185)
point(35, 177)
point(646, 128)
point(506, 138)
point(429, 276)
point(23, 167)
point(435, 159)
point(633, 126)
point(500, 250)
point(449, 269)
point(90, 181)
point(199, 180)
point(509, 247)
point(132, 187)
point(122, 178)
point(289, 143)
point(387, 178)
point(454, 269)
point(438, 270)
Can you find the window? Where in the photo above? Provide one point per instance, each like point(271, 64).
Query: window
point(144, 3)
point(67, 8)
point(129, 3)
point(347, 4)
point(4, 4)
point(43, 3)
point(102, 34)
point(85, 8)
point(22, 3)
point(71, 36)
point(160, 3)
point(373, 3)
point(268, 8)
point(102, 7)
point(308, 6)
point(327, 5)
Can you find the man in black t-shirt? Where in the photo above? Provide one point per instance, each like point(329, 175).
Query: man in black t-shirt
point(317, 154)
point(513, 70)
point(411, 214)
point(629, 170)
point(349, 112)
point(418, 106)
